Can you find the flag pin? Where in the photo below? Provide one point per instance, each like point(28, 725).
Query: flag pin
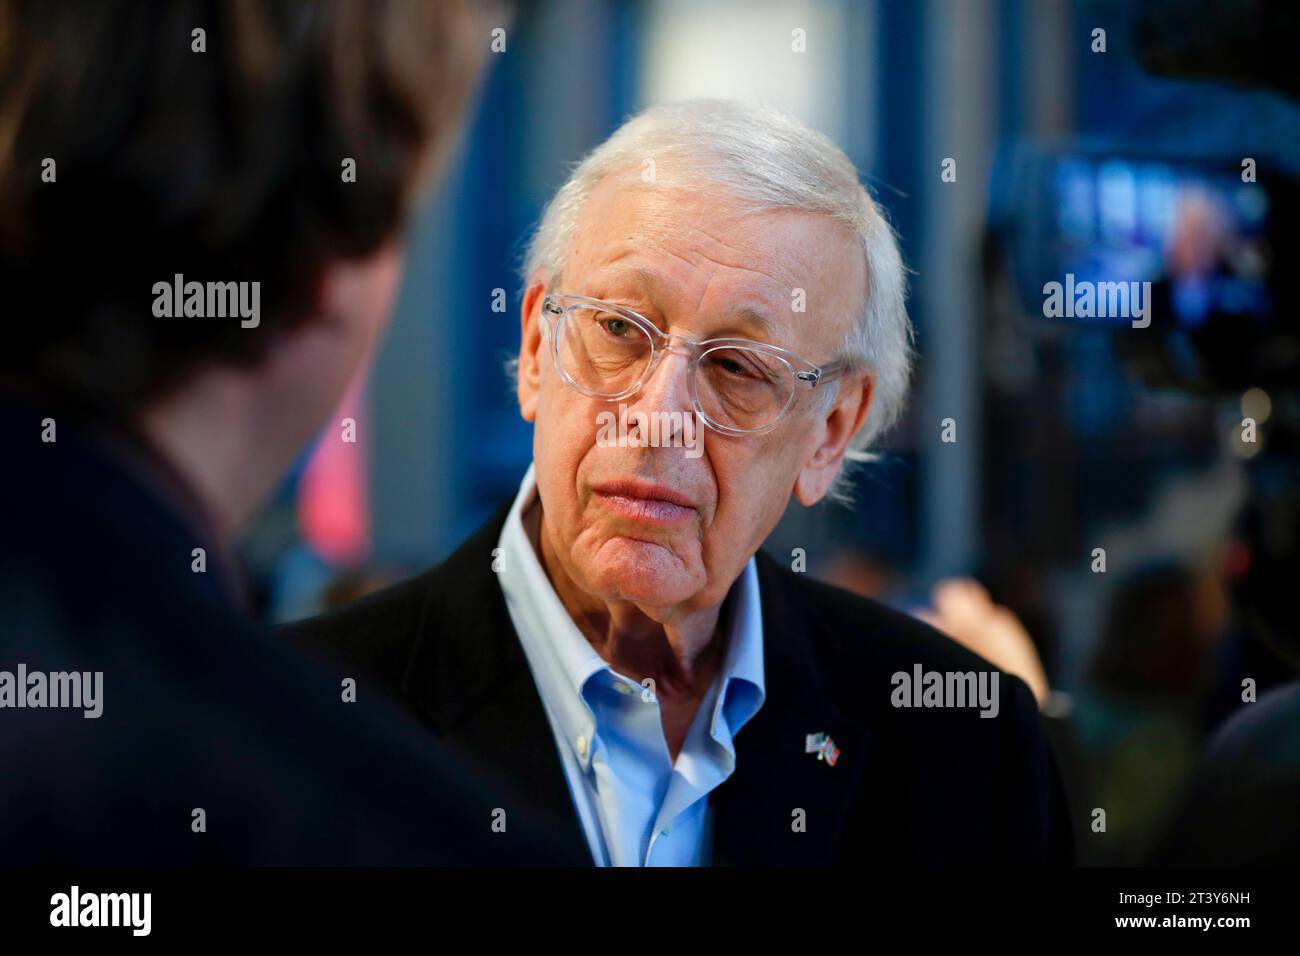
point(823, 746)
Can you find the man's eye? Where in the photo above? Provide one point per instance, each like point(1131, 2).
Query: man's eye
point(616, 326)
point(736, 366)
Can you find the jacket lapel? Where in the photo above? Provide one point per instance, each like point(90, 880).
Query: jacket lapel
point(469, 676)
point(755, 810)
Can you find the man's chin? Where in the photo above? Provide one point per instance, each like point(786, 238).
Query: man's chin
point(642, 572)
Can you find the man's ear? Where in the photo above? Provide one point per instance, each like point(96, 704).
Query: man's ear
point(837, 426)
point(530, 348)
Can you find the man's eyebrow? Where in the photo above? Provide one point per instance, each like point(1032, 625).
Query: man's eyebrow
point(642, 277)
point(754, 317)
point(614, 281)
point(649, 281)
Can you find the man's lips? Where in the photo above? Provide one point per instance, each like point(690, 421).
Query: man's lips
point(644, 501)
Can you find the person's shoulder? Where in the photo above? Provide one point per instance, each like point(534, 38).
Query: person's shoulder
point(860, 644)
point(856, 631)
point(939, 716)
point(1239, 809)
point(1265, 728)
point(375, 634)
point(378, 633)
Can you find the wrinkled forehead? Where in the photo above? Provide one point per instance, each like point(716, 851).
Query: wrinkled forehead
point(704, 258)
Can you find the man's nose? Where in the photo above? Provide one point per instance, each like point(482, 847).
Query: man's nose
point(668, 387)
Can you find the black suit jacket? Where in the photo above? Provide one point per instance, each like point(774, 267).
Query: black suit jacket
point(928, 786)
point(201, 708)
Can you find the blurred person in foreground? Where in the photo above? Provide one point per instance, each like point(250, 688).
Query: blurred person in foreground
point(143, 718)
point(612, 642)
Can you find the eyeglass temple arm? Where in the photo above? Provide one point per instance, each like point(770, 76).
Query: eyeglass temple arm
point(826, 373)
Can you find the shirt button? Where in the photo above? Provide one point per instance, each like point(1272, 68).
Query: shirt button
point(582, 746)
point(621, 687)
point(667, 830)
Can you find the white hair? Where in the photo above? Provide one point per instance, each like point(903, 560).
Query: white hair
point(766, 160)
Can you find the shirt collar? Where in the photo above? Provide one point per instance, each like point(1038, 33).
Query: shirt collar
point(742, 678)
point(563, 662)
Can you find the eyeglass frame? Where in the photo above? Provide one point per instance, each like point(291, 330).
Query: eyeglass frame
point(804, 370)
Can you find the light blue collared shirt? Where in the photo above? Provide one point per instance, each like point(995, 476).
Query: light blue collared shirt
point(638, 807)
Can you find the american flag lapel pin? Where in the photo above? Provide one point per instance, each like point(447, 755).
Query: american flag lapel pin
point(822, 746)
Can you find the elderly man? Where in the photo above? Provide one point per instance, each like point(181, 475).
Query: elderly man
point(613, 647)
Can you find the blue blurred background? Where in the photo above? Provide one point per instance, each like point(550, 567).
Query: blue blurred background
point(1060, 448)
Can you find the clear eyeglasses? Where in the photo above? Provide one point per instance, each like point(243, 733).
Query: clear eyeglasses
point(738, 386)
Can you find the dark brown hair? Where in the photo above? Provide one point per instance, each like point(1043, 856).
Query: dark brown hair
point(224, 165)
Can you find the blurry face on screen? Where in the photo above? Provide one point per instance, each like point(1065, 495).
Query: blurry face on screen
point(670, 527)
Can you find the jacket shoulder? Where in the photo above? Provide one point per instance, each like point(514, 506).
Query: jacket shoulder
point(374, 636)
point(1014, 807)
point(859, 645)
point(864, 634)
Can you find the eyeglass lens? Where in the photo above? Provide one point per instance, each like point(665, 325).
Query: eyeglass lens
point(607, 355)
